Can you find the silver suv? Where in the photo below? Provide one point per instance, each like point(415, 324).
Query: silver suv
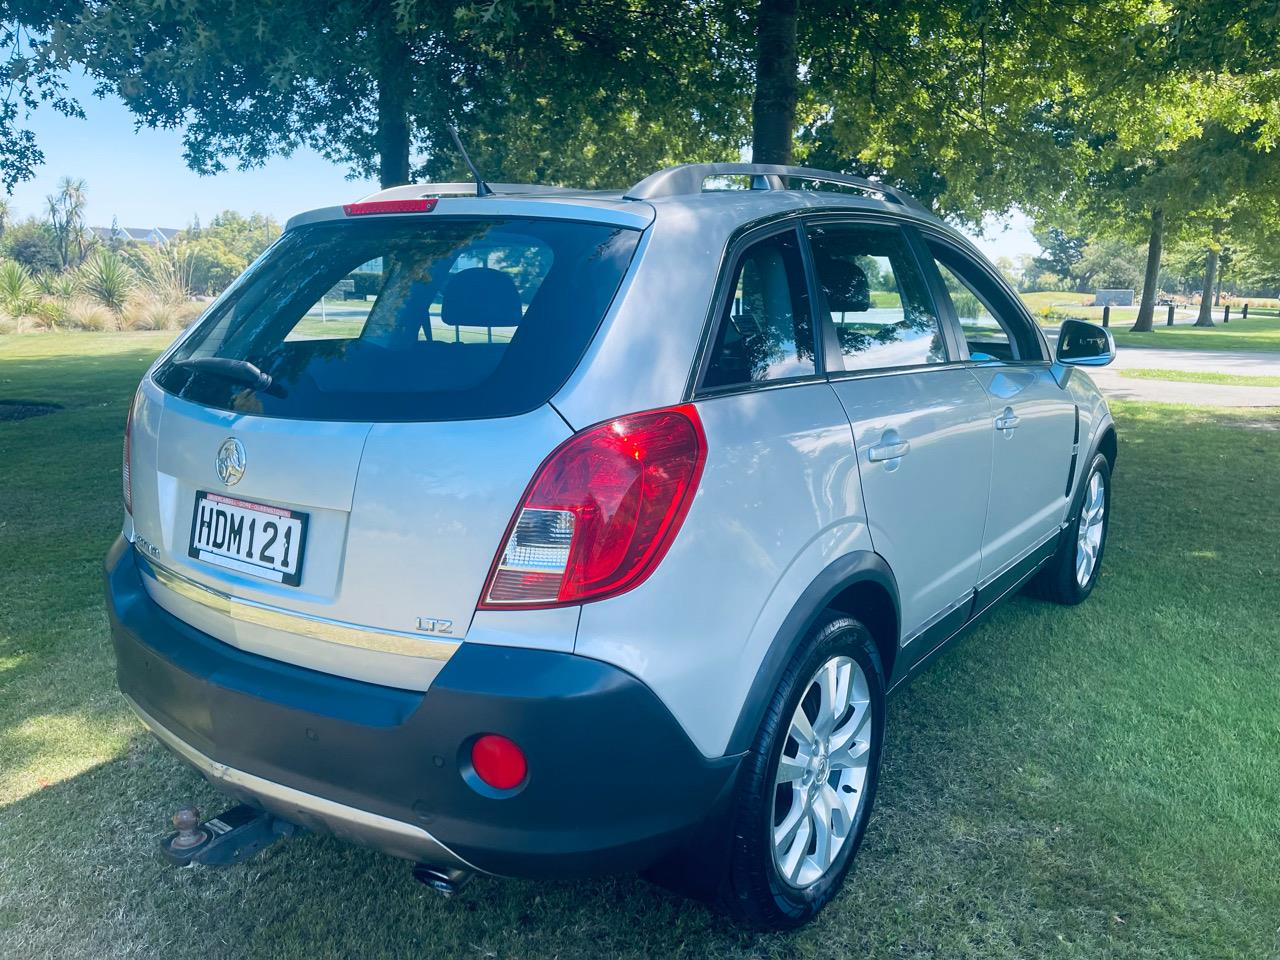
point(552, 532)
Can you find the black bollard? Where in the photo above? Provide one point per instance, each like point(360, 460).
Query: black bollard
point(1226, 313)
point(1106, 315)
point(1169, 319)
point(1244, 312)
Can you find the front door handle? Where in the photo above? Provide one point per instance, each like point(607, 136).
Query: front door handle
point(890, 448)
point(1008, 420)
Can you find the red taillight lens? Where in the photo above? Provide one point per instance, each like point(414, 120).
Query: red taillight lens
point(125, 471)
point(601, 511)
point(498, 762)
point(420, 205)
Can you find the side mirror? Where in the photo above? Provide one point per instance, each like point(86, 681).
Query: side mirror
point(1082, 344)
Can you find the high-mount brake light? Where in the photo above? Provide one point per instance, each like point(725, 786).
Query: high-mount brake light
point(601, 511)
point(419, 205)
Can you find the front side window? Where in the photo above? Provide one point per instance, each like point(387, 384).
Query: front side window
point(993, 327)
point(872, 288)
point(983, 332)
point(421, 319)
point(765, 331)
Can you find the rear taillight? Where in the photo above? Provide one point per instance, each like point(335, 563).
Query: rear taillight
point(601, 511)
point(125, 471)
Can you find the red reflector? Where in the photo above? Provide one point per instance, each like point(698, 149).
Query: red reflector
point(498, 762)
point(420, 205)
point(601, 511)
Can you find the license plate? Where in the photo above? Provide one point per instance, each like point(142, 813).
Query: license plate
point(249, 537)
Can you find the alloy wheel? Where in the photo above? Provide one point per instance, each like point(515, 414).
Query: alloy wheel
point(1089, 534)
point(822, 772)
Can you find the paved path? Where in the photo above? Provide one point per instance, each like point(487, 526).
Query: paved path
point(1113, 384)
point(1253, 364)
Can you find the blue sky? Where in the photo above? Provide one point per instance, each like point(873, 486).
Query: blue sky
point(139, 177)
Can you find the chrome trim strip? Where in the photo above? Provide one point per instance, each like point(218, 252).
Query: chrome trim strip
point(371, 829)
point(306, 625)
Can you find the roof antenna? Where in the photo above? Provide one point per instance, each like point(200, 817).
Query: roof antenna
point(482, 188)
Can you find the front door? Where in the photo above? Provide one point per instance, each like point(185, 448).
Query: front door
point(1032, 426)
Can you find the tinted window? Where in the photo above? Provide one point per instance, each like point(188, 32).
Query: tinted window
point(408, 320)
point(994, 328)
point(985, 334)
point(766, 330)
point(872, 288)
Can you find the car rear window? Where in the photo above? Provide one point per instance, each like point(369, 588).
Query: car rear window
point(406, 319)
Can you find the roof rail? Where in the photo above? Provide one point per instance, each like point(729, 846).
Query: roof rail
point(412, 191)
point(688, 178)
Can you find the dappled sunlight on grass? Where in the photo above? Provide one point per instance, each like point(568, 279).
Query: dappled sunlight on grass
point(44, 749)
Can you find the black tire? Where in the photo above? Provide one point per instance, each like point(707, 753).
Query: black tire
point(751, 888)
point(1057, 580)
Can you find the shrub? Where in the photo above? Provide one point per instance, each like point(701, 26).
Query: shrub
point(147, 311)
point(106, 278)
point(18, 292)
point(60, 286)
point(85, 314)
point(166, 270)
point(50, 311)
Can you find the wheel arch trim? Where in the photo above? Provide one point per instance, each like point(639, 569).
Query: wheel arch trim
point(839, 576)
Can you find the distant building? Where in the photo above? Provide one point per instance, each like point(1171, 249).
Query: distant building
point(1113, 298)
point(155, 236)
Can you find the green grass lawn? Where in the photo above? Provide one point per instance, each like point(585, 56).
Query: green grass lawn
point(1252, 335)
point(1202, 376)
point(1261, 332)
point(1096, 782)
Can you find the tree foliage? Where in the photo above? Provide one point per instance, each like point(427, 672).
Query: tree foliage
point(593, 92)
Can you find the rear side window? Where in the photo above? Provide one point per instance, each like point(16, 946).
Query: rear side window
point(765, 331)
point(429, 319)
point(872, 288)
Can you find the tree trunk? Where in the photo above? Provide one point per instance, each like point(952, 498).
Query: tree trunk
point(394, 83)
point(1205, 317)
point(773, 112)
point(1147, 306)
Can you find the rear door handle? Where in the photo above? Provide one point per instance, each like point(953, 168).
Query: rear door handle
point(890, 447)
point(1008, 420)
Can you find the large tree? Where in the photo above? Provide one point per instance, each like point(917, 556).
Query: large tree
point(591, 91)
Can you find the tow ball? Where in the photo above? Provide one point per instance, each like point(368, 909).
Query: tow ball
point(231, 837)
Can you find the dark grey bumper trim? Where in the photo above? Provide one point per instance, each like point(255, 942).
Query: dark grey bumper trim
point(317, 813)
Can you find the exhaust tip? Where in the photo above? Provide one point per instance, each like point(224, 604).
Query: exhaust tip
point(442, 880)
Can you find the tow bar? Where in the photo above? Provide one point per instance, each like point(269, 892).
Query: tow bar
point(231, 837)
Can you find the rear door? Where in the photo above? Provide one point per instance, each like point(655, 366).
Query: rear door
point(921, 422)
point(342, 441)
point(1033, 421)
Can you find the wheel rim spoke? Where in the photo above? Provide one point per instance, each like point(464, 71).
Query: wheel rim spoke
point(791, 769)
point(801, 729)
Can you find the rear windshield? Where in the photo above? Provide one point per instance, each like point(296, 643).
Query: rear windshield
point(413, 319)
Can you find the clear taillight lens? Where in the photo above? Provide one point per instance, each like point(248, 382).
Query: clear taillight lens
point(125, 471)
point(601, 511)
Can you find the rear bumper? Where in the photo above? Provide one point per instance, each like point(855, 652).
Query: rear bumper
point(614, 782)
